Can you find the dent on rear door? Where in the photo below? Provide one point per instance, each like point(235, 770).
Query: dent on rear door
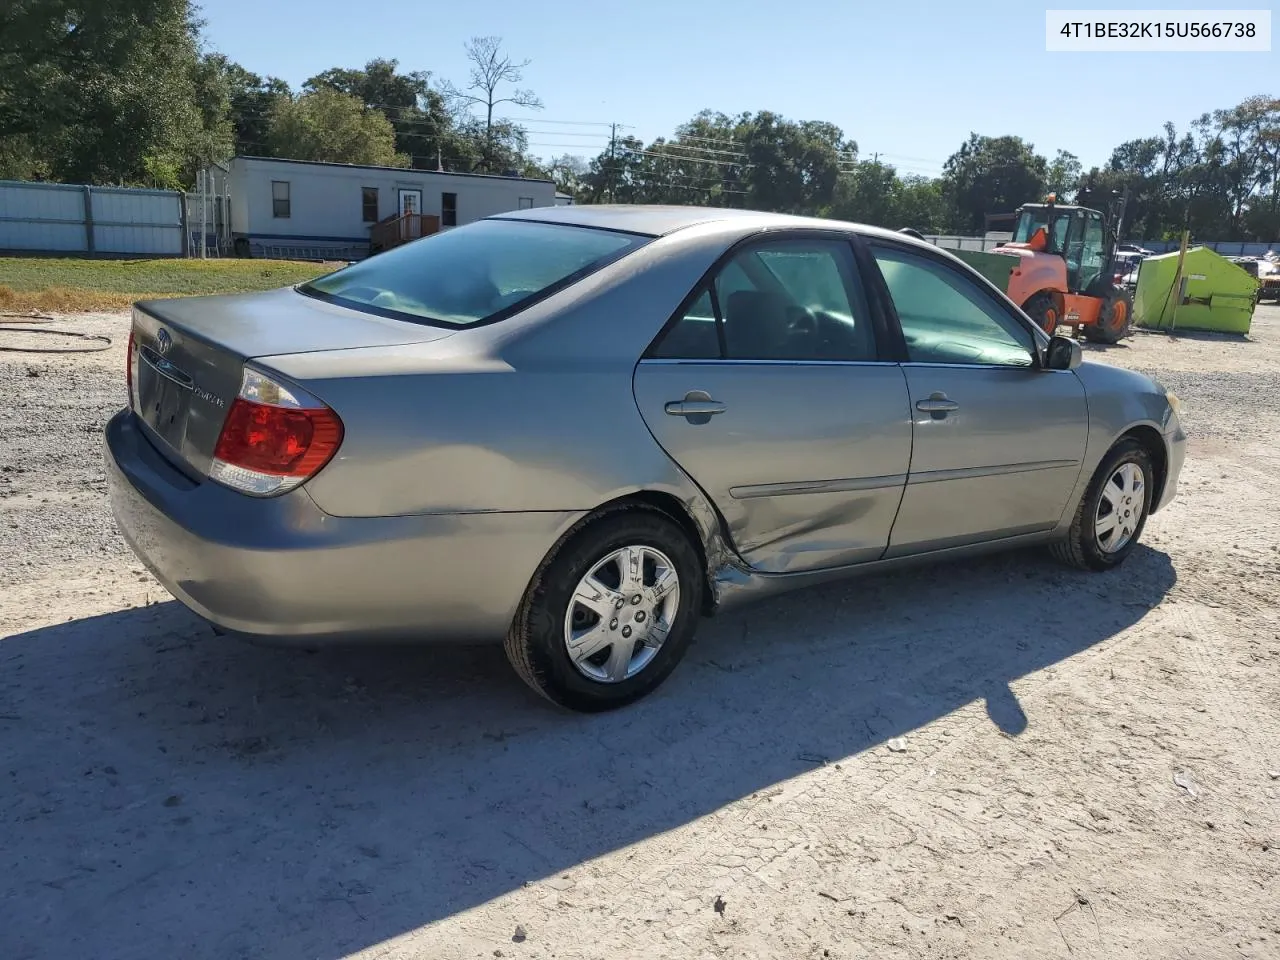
point(806, 462)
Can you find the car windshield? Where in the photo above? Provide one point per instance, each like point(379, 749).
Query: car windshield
point(474, 274)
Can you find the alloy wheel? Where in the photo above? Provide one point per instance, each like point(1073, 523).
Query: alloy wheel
point(1120, 507)
point(621, 612)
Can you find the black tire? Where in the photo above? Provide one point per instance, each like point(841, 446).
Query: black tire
point(535, 643)
point(1043, 311)
point(1081, 548)
point(1114, 318)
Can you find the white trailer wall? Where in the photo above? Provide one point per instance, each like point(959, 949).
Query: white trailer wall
point(326, 210)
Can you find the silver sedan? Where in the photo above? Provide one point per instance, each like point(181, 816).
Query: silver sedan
point(583, 428)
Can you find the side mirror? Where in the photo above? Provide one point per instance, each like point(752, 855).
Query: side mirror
point(1063, 354)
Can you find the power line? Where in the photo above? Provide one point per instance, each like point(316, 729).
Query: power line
point(669, 144)
point(650, 153)
point(573, 123)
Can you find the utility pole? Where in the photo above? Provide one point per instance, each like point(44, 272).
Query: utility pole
point(204, 207)
point(613, 167)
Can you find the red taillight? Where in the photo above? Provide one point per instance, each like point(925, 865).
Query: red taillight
point(274, 437)
point(278, 440)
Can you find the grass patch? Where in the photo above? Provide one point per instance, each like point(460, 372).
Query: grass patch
point(69, 285)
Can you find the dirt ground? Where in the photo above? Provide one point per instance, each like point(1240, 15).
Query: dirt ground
point(996, 759)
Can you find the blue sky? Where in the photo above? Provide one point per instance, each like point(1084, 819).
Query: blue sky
point(907, 79)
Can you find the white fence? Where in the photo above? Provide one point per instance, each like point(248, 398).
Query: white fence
point(1228, 248)
point(73, 218)
point(962, 243)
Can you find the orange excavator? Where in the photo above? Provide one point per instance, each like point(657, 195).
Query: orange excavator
point(1066, 271)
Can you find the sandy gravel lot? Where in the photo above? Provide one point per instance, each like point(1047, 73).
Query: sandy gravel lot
point(999, 759)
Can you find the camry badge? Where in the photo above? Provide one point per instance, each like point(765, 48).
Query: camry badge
point(163, 341)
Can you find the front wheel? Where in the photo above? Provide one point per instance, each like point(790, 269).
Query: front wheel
point(1042, 309)
point(610, 614)
point(1113, 511)
point(1114, 318)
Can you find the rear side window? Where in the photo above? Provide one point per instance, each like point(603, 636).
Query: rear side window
point(783, 300)
point(481, 272)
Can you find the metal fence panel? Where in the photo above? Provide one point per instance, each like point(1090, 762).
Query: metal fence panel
point(71, 218)
point(145, 222)
point(41, 216)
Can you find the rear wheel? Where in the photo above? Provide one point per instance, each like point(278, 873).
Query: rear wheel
point(1042, 309)
point(1113, 319)
point(1113, 511)
point(610, 614)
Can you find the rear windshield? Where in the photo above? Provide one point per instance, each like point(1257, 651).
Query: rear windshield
point(474, 274)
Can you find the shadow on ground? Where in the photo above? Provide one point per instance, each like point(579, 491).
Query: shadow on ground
point(171, 793)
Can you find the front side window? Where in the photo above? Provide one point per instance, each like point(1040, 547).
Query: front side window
point(280, 198)
point(790, 299)
point(480, 272)
point(947, 318)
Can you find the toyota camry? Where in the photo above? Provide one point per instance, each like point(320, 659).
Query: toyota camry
point(582, 429)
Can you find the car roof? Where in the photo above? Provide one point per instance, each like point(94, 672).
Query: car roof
point(657, 221)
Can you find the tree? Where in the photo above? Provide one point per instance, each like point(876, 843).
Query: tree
point(251, 102)
point(335, 127)
point(792, 167)
point(425, 130)
point(921, 204)
point(1063, 178)
point(569, 173)
point(106, 91)
point(990, 175)
point(491, 69)
point(870, 193)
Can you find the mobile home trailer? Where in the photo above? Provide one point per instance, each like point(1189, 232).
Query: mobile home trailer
point(309, 209)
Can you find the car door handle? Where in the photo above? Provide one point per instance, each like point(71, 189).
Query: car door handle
point(697, 407)
point(937, 403)
point(694, 408)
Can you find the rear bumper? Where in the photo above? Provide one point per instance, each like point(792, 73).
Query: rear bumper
point(283, 568)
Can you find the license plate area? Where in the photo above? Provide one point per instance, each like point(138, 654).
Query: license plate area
point(164, 397)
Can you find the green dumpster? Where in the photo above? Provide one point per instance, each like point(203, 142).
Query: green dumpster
point(996, 267)
point(1218, 296)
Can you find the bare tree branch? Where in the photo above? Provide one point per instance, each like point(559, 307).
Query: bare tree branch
point(491, 68)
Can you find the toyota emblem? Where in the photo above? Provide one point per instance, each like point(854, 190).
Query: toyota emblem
point(163, 341)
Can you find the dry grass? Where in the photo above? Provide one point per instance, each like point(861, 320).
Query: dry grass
point(69, 285)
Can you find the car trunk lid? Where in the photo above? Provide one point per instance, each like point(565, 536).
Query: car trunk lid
point(191, 352)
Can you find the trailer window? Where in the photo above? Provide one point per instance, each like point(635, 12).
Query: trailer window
point(280, 198)
point(369, 204)
point(480, 273)
point(448, 209)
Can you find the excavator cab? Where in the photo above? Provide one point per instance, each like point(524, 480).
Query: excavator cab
point(1043, 227)
point(1065, 271)
point(1077, 234)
